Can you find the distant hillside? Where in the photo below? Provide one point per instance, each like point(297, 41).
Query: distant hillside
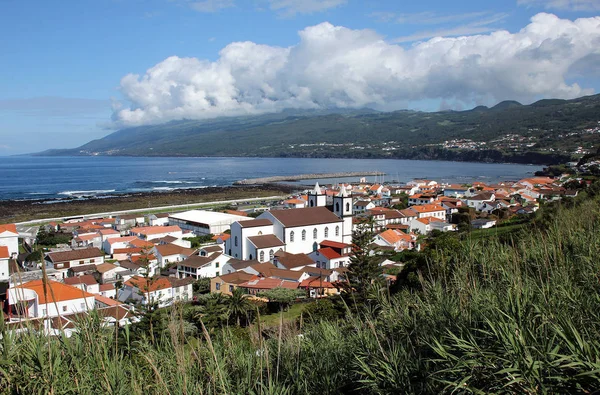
point(547, 131)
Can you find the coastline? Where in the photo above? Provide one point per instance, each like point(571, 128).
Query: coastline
point(12, 211)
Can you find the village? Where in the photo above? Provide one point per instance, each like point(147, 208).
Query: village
point(120, 265)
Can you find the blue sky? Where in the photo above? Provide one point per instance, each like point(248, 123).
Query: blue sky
point(73, 71)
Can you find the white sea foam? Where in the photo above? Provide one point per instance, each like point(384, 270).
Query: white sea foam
point(92, 192)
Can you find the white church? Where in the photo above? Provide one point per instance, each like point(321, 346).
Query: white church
point(298, 230)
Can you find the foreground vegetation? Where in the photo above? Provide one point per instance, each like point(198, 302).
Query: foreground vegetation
point(486, 316)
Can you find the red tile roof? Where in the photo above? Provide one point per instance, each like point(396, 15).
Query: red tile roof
point(8, 228)
point(269, 283)
point(154, 230)
point(56, 292)
point(4, 254)
point(329, 253)
point(86, 279)
point(315, 282)
point(333, 244)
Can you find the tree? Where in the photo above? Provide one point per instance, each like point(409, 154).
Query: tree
point(238, 306)
point(202, 285)
point(283, 296)
point(364, 268)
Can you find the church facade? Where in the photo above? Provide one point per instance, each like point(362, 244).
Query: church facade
point(299, 230)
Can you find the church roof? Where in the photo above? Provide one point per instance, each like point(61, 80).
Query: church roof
point(265, 241)
point(305, 216)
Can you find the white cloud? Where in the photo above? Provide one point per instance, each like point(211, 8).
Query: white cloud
point(574, 5)
point(479, 26)
point(333, 66)
point(211, 5)
point(293, 7)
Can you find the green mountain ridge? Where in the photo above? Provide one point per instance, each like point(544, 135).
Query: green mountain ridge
point(545, 132)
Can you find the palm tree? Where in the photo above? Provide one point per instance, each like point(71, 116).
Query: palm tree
point(238, 305)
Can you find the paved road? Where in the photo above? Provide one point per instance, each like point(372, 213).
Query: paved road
point(153, 209)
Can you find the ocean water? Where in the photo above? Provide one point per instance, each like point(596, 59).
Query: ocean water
point(25, 177)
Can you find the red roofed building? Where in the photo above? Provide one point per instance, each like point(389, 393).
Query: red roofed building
point(317, 287)
point(156, 232)
point(259, 284)
point(9, 237)
point(34, 300)
point(161, 290)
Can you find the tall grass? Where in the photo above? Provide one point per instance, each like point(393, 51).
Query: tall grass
point(520, 317)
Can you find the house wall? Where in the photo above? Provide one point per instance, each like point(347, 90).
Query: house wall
point(306, 246)
point(4, 270)
point(66, 307)
point(12, 242)
point(244, 248)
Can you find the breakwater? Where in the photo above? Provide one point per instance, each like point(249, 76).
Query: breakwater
point(267, 180)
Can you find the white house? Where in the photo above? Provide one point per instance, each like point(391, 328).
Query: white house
point(156, 232)
point(478, 201)
point(483, 223)
point(204, 222)
point(328, 258)
point(108, 273)
point(239, 245)
point(63, 260)
point(161, 219)
point(86, 283)
point(86, 240)
point(170, 253)
point(162, 291)
point(110, 244)
point(30, 301)
point(197, 266)
point(428, 224)
point(455, 191)
point(429, 210)
point(9, 237)
point(396, 239)
point(294, 203)
point(362, 206)
point(4, 266)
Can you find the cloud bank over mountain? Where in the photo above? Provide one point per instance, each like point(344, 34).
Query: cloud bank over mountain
point(334, 66)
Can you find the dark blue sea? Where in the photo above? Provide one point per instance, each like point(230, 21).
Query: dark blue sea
point(25, 177)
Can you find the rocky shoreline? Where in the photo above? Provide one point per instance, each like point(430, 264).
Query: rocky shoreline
point(25, 210)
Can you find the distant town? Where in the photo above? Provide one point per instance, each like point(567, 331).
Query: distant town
point(120, 265)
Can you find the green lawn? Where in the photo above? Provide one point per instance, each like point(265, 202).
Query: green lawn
point(495, 231)
point(291, 314)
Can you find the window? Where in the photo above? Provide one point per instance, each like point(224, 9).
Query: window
point(292, 236)
point(231, 288)
point(217, 274)
point(92, 260)
point(262, 256)
point(337, 230)
point(315, 233)
point(216, 264)
point(64, 308)
point(236, 241)
point(83, 305)
point(81, 262)
point(259, 233)
point(250, 256)
point(218, 286)
point(326, 232)
point(43, 311)
point(347, 206)
point(337, 207)
point(303, 235)
point(271, 255)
